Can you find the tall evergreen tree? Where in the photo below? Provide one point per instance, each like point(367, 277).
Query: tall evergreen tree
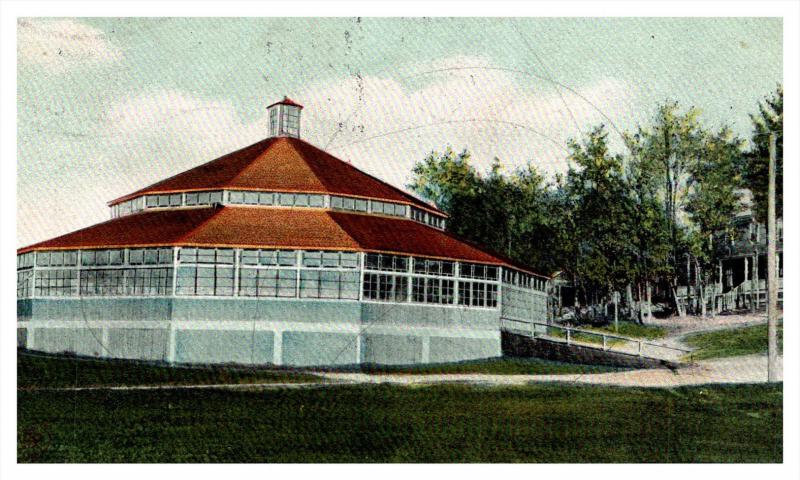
point(769, 119)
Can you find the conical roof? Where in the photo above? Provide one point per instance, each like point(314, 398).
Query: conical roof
point(282, 164)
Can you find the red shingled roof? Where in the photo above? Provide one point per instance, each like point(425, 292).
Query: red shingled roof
point(286, 101)
point(272, 227)
point(282, 164)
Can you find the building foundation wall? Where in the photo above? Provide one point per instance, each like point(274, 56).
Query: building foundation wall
point(258, 331)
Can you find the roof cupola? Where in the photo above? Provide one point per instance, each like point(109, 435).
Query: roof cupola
point(284, 118)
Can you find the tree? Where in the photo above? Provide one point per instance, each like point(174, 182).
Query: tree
point(769, 119)
point(508, 213)
point(713, 200)
point(667, 151)
point(602, 217)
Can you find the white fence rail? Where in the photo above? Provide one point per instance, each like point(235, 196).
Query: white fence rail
point(594, 339)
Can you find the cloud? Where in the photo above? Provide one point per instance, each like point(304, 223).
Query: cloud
point(60, 45)
point(386, 124)
point(380, 124)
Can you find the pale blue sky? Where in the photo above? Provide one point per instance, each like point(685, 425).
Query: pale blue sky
point(106, 106)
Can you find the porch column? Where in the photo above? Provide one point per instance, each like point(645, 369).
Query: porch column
point(747, 291)
point(756, 287)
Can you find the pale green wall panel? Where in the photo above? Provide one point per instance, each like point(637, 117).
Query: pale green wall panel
point(312, 348)
point(451, 349)
point(391, 349)
point(223, 346)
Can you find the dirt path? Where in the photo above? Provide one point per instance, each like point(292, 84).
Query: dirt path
point(679, 326)
point(746, 369)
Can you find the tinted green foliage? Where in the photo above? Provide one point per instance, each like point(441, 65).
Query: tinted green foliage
point(615, 221)
point(545, 423)
point(768, 119)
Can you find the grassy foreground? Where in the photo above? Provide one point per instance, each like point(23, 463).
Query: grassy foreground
point(495, 366)
point(731, 342)
point(35, 371)
point(369, 423)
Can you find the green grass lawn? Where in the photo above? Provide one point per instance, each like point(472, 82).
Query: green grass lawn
point(378, 423)
point(731, 342)
point(498, 366)
point(635, 330)
point(54, 372)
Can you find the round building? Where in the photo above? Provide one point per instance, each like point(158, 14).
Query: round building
point(278, 253)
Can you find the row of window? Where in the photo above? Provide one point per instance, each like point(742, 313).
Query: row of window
point(88, 258)
point(422, 216)
point(225, 256)
point(255, 282)
point(127, 207)
point(271, 198)
point(98, 282)
point(242, 197)
point(423, 266)
point(525, 280)
point(441, 291)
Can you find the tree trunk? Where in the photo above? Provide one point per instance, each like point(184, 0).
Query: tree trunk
point(616, 317)
point(629, 301)
point(649, 302)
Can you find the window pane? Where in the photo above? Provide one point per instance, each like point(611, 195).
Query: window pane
point(175, 200)
point(349, 285)
point(151, 256)
point(301, 200)
point(152, 201)
point(251, 198)
point(309, 284)
point(186, 280)
point(287, 257)
point(191, 199)
point(287, 283)
point(215, 197)
point(87, 257)
point(136, 256)
point(249, 257)
point(336, 202)
point(348, 203)
point(224, 281)
point(312, 259)
point(316, 200)
point(286, 199)
point(328, 284)
point(236, 197)
point(361, 205)
point(266, 198)
point(330, 259)
point(165, 255)
point(70, 258)
point(56, 259)
point(269, 257)
point(349, 260)
point(203, 198)
point(42, 259)
point(115, 257)
point(225, 256)
point(206, 255)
